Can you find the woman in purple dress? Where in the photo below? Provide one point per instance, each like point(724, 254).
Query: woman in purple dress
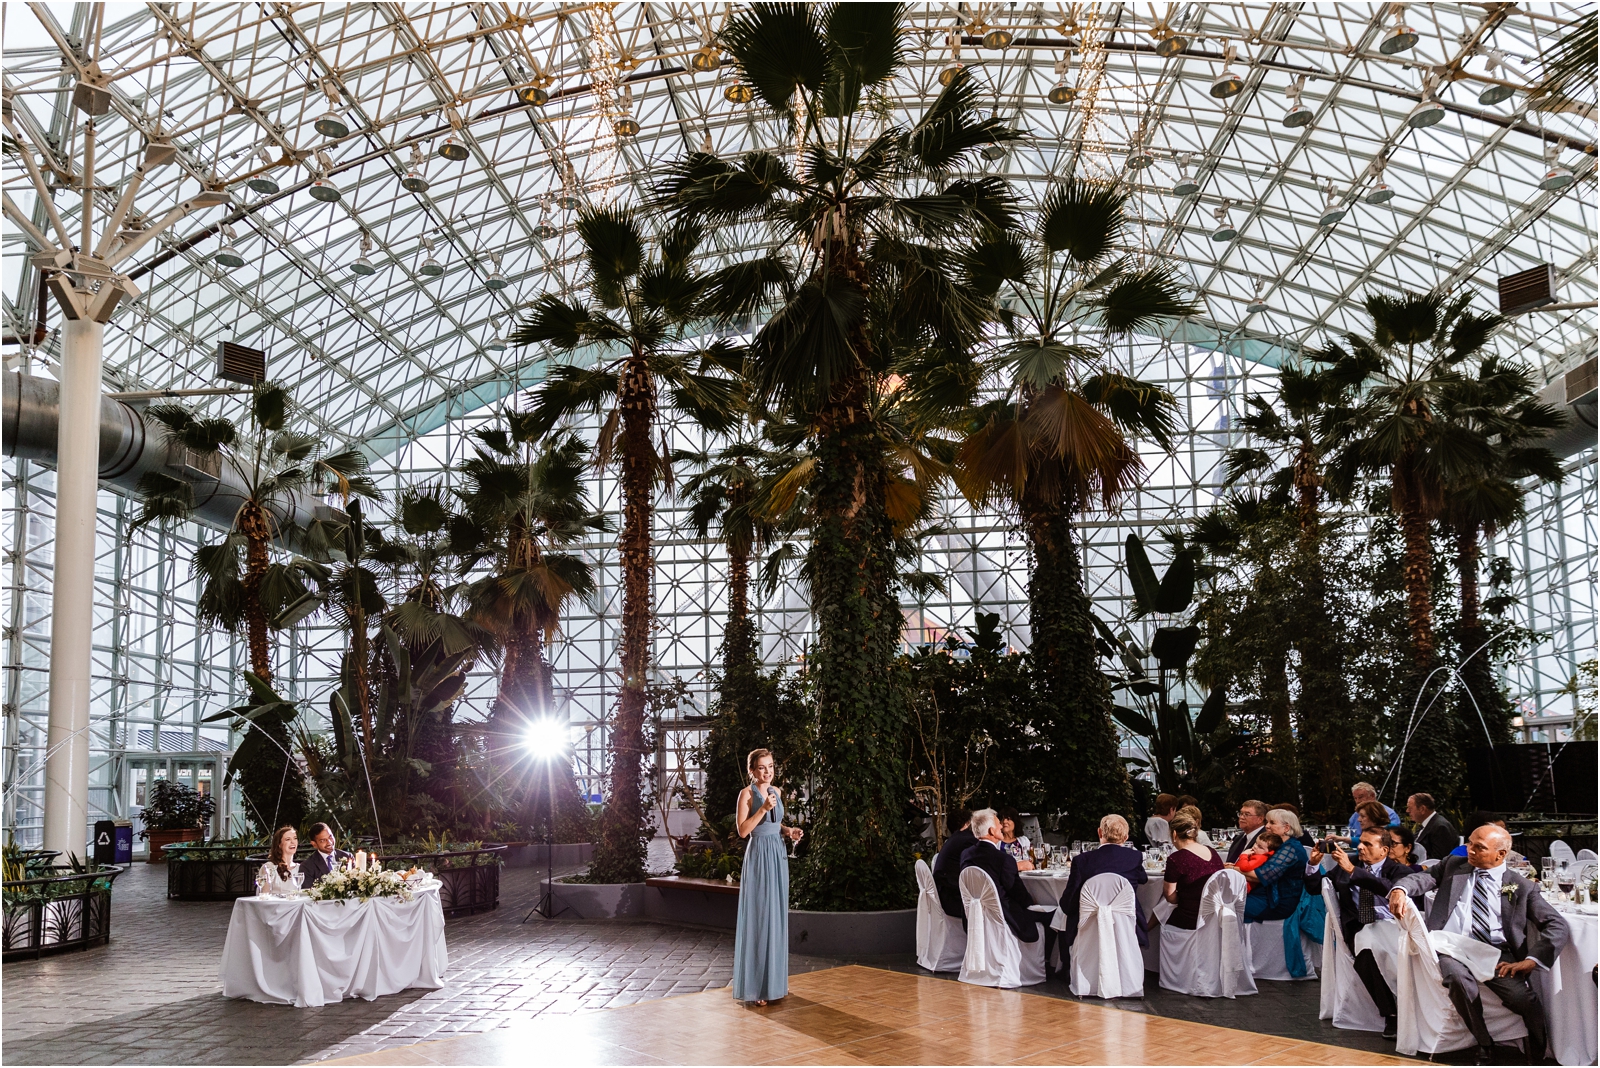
point(1188, 868)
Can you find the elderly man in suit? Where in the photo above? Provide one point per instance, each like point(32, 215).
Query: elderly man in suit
point(947, 864)
point(1252, 820)
point(986, 853)
point(326, 854)
point(1361, 890)
point(1114, 857)
point(1478, 897)
point(1436, 835)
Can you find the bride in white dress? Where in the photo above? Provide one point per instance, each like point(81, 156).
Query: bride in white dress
point(280, 874)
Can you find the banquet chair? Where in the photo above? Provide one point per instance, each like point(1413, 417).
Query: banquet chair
point(1212, 960)
point(1562, 852)
point(1428, 1022)
point(1588, 856)
point(1345, 1000)
point(1419, 855)
point(994, 956)
point(1268, 959)
point(941, 942)
point(1106, 959)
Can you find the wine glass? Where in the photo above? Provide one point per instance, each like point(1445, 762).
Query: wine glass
point(1547, 874)
point(1566, 878)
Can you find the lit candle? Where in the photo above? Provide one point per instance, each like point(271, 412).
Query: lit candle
point(361, 860)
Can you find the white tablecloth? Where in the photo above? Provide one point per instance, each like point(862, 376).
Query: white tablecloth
point(301, 952)
point(1046, 886)
point(1568, 992)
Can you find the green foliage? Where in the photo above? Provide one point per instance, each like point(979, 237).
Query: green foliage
point(174, 806)
point(270, 780)
point(709, 863)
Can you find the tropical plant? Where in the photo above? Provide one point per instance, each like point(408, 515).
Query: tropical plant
point(175, 806)
point(1059, 438)
point(271, 782)
point(1397, 428)
point(641, 304)
point(1570, 73)
point(871, 316)
point(242, 586)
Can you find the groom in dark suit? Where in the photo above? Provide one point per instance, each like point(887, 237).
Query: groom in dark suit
point(325, 854)
point(986, 853)
point(1479, 897)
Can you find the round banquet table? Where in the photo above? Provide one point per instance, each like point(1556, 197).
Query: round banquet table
point(295, 951)
point(1047, 886)
point(1568, 990)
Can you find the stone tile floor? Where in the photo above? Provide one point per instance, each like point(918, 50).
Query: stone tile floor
point(153, 997)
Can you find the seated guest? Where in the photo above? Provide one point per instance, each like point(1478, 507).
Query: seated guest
point(1362, 891)
point(947, 865)
point(1372, 817)
point(1435, 834)
point(1398, 843)
point(1361, 793)
point(280, 872)
point(1276, 886)
point(1261, 849)
point(1193, 812)
point(987, 853)
point(1480, 898)
point(1014, 844)
point(1190, 865)
point(1484, 819)
point(1252, 818)
point(1305, 836)
point(1155, 828)
point(1114, 857)
point(327, 855)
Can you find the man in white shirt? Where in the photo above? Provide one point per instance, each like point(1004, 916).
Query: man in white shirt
point(1479, 898)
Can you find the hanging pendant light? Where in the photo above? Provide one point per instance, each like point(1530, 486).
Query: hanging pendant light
point(1297, 116)
point(1401, 38)
point(1428, 113)
point(429, 267)
point(625, 126)
point(738, 93)
point(362, 265)
point(1225, 230)
point(1228, 83)
point(1139, 158)
point(324, 190)
point(1380, 193)
point(1258, 302)
point(534, 96)
point(1556, 176)
point(999, 37)
point(1496, 93)
point(1170, 45)
point(497, 341)
point(452, 151)
point(414, 182)
point(545, 230)
point(264, 182)
point(951, 71)
point(1062, 93)
point(496, 281)
point(1186, 185)
point(705, 60)
point(1332, 210)
point(331, 125)
point(227, 255)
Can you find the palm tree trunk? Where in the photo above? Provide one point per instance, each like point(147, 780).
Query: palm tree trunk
point(1416, 566)
point(1275, 694)
point(1323, 706)
point(1075, 698)
point(258, 535)
point(1430, 758)
point(619, 855)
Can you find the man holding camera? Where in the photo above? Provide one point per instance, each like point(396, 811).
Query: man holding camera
point(1364, 917)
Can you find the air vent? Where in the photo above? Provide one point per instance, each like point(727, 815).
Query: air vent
point(195, 466)
point(1582, 381)
point(236, 363)
point(1527, 290)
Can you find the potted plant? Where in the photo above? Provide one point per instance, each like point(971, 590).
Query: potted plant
point(174, 813)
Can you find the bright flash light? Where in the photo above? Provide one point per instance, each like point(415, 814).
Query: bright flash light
point(546, 738)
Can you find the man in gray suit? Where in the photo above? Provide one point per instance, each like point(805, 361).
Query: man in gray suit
point(1480, 898)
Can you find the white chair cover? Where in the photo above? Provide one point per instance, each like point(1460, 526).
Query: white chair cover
point(1588, 856)
point(1266, 951)
point(1428, 1023)
point(994, 956)
point(1345, 1000)
point(941, 943)
point(1106, 959)
point(1419, 855)
point(1562, 852)
point(1212, 960)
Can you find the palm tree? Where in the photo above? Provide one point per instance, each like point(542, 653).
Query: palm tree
point(1500, 403)
point(524, 501)
point(243, 587)
point(868, 220)
point(640, 309)
point(1398, 427)
point(1059, 438)
point(1291, 452)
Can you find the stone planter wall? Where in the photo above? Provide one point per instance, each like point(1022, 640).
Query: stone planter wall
point(852, 934)
point(159, 840)
point(701, 902)
point(597, 901)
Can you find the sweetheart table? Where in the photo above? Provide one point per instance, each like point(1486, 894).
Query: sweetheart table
point(295, 951)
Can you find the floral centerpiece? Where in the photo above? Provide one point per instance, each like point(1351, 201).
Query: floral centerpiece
point(357, 880)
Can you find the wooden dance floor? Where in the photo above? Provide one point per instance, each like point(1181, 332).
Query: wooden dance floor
point(857, 1015)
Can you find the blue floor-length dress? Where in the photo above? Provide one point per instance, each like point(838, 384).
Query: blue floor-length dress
point(761, 941)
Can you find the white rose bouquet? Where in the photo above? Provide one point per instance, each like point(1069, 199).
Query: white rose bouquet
point(350, 883)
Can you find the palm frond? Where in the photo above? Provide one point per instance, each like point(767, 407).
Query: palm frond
point(1084, 219)
point(778, 48)
point(865, 45)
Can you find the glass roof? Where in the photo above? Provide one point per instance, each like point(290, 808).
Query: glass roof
point(384, 357)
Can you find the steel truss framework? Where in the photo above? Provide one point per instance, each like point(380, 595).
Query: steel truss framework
point(398, 361)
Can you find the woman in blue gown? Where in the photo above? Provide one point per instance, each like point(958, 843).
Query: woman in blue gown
point(761, 941)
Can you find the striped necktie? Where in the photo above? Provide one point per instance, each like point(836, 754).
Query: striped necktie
point(1482, 903)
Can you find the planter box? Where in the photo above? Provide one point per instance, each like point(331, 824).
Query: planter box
point(702, 902)
point(852, 934)
point(197, 879)
point(159, 840)
point(57, 912)
point(597, 901)
point(532, 855)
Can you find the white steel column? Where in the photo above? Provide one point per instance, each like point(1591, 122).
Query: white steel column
point(66, 786)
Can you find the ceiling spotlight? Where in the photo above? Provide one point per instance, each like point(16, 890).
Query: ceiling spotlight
point(1170, 45)
point(1186, 186)
point(429, 267)
point(545, 230)
point(1297, 116)
point(1140, 158)
point(568, 201)
point(533, 96)
point(1225, 230)
point(705, 60)
point(951, 71)
point(414, 182)
point(1380, 193)
point(453, 152)
point(738, 93)
point(497, 342)
point(1258, 303)
point(1228, 83)
point(1428, 113)
point(625, 126)
point(993, 152)
point(1556, 177)
point(263, 183)
point(324, 190)
point(496, 281)
point(331, 125)
point(1495, 94)
point(999, 37)
point(362, 265)
point(227, 255)
point(1061, 93)
point(1402, 38)
point(1332, 211)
